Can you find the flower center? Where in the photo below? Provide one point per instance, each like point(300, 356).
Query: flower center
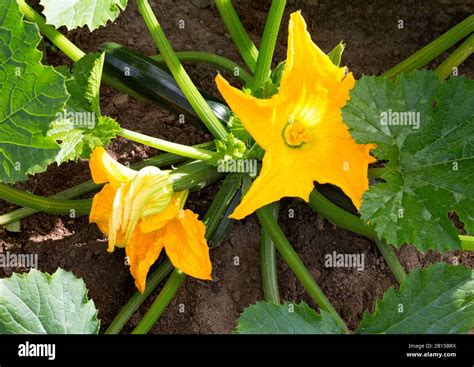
point(295, 134)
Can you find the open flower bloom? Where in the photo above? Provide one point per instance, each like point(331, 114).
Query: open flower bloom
point(301, 128)
point(139, 211)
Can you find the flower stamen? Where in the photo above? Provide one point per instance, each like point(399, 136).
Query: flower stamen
point(295, 134)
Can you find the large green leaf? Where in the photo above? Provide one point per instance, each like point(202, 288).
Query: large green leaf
point(39, 303)
point(77, 13)
point(30, 97)
point(289, 318)
point(81, 127)
point(437, 300)
point(431, 168)
point(84, 86)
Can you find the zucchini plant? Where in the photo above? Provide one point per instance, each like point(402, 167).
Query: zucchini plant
point(400, 146)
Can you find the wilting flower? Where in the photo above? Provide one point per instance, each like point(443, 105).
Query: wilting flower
point(301, 128)
point(138, 210)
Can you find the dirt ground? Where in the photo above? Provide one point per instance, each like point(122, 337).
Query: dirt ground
point(374, 44)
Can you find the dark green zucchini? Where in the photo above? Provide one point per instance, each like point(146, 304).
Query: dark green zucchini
point(149, 79)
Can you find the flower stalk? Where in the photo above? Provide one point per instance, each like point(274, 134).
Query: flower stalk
point(434, 48)
point(353, 223)
point(268, 42)
point(290, 256)
point(237, 32)
point(218, 61)
point(456, 58)
point(268, 267)
point(182, 78)
point(167, 146)
point(58, 39)
point(127, 311)
point(159, 305)
point(47, 205)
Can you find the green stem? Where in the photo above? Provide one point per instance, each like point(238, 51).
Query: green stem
point(61, 41)
point(433, 49)
point(237, 32)
point(70, 193)
point(47, 205)
point(215, 213)
point(268, 265)
point(127, 311)
point(194, 176)
point(339, 216)
point(167, 146)
point(211, 59)
point(392, 260)
point(166, 295)
point(267, 45)
point(456, 58)
point(353, 223)
point(182, 78)
point(285, 249)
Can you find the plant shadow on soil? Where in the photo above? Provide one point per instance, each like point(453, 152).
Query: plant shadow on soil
point(374, 44)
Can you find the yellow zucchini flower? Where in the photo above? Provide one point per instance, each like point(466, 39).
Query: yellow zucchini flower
point(301, 128)
point(138, 210)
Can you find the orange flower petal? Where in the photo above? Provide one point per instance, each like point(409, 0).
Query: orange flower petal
point(347, 167)
point(306, 64)
point(276, 180)
point(157, 221)
point(102, 207)
point(246, 107)
point(143, 249)
point(105, 169)
point(186, 245)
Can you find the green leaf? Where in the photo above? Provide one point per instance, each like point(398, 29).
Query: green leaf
point(80, 127)
point(80, 142)
point(430, 162)
point(39, 303)
point(30, 97)
point(437, 300)
point(77, 13)
point(84, 87)
point(288, 318)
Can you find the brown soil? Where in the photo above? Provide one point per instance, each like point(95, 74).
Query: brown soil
point(374, 44)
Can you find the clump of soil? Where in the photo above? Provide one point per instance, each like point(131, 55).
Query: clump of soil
point(374, 43)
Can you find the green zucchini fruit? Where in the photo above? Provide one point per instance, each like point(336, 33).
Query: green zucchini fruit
point(150, 80)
